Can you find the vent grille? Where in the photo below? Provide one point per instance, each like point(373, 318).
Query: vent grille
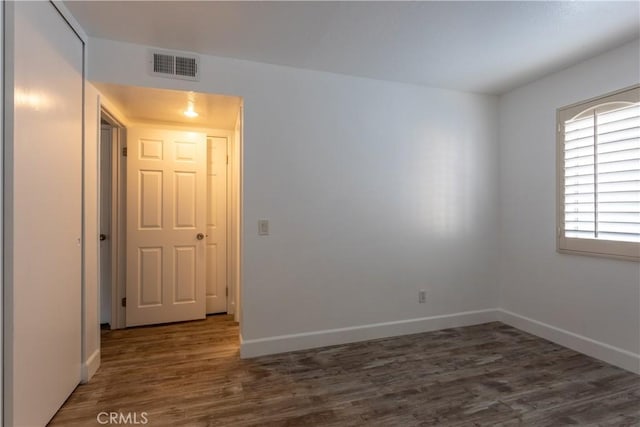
point(173, 65)
point(186, 66)
point(163, 63)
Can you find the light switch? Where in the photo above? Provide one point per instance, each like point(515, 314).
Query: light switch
point(263, 227)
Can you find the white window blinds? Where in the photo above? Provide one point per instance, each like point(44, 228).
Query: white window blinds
point(602, 174)
point(600, 166)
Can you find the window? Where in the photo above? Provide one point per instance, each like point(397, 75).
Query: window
point(599, 176)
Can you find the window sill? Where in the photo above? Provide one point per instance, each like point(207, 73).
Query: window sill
point(599, 255)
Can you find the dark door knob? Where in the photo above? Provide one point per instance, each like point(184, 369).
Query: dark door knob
point(200, 236)
point(103, 237)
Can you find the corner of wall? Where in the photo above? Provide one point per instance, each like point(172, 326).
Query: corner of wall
point(90, 366)
point(91, 253)
point(596, 349)
point(586, 304)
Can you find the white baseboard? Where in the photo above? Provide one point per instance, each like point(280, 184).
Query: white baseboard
point(303, 341)
point(599, 350)
point(284, 343)
point(90, 366)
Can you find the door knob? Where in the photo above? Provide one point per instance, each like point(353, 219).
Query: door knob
point(200, 236)
point(103, 237)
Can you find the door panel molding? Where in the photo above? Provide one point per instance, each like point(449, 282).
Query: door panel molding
point(166, 208)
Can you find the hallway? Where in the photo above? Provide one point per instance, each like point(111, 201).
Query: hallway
point(191, 374)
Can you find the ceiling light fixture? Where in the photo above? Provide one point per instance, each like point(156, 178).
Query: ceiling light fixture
point(190, 112)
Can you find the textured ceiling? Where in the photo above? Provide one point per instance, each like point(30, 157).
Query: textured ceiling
point(487, 47)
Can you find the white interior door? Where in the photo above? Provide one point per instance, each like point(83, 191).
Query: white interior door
point(217, 225)
point(43, 206)
point(166, 214)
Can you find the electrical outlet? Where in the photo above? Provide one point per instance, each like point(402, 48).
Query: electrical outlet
point(422, 296)
point(263, 227)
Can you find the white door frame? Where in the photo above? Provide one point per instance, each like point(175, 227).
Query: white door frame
point(228, 136)
point(234, 216)
point(235, 219)
point(234, 211)
point(118, 168)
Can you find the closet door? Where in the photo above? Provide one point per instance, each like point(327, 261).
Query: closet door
point(43, 195)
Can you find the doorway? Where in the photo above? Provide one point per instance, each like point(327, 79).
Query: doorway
point(139, 271)
point(110, 226)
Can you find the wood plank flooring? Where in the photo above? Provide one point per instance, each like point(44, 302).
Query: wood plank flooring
point(190, 374)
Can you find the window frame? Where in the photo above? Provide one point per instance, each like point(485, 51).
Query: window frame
point(592, 247)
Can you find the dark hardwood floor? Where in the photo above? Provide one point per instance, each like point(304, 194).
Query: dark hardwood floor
point(190, 374)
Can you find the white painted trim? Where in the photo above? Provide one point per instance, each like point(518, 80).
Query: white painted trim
point(117, 243)
point(307, 340)
point(90, 366)
point(628, 251)
point(239, 255)
point(228, 135)
point(90, 225)
point(71, 20)
point(2, 103)
point(599, 350)
point(231, 298)
point(121, 121)
point(118, 230)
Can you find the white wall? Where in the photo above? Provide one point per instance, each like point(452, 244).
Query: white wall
point(373, 190)
point(597, 299)
point(91, 293)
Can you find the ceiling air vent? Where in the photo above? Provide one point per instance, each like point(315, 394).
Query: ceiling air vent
point(175, 65)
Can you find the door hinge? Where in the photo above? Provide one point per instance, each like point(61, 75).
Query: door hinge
point(227, 159)
point(124, 151)
point(124, 302)
point(226, 291)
